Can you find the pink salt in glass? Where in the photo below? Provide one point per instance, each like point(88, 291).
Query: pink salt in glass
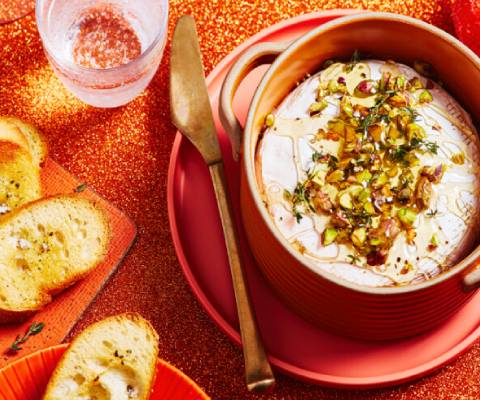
point(105, 52)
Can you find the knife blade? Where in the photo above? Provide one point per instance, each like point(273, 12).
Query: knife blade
point(190, 103)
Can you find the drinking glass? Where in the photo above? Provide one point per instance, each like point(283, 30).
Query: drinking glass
point(104, 51)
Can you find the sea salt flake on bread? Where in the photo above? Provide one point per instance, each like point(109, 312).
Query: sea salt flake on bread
point(46, 246)
point(112, 359)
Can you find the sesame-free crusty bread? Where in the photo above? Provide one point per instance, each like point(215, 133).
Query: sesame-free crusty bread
point(26, 136)
point(45, 246)
point(22, 153)
point(114, 359)
point(19, 177)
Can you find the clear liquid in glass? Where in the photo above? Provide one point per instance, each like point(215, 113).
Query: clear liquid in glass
point(87, 39)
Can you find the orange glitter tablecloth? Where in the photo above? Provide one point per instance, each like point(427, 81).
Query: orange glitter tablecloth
point(123, 154)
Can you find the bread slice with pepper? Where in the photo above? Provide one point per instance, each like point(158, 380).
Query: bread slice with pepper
point(112, 359)
point(22, 153)
point(46, 246)
point(20, 180)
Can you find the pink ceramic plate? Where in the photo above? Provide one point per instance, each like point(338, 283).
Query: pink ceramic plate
point(295, 346)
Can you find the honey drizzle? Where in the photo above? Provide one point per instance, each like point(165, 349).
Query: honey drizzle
point(305, 128)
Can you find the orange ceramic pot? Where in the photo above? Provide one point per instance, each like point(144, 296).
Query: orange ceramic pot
point(347, 308)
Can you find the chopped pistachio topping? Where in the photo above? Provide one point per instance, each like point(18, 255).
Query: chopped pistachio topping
point(329, 236)
point(269, 120)
point(415, 84)
point(317, 107)
point(335, 176)
point(458, 158)
point(299, 246)
point(407, 216)
point(374, 188)
point(408, 267)
point(434, 242)
point(359, 236)
point(425, 97)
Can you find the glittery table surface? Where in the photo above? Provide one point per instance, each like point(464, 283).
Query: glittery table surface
point(124, 153)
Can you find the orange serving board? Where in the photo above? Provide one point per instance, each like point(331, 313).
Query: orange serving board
point(61, 315)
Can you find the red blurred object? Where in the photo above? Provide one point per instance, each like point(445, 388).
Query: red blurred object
point(26, 378)
point(466, 18)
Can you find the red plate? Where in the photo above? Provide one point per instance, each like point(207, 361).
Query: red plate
point(27, 378)
point(295, 346)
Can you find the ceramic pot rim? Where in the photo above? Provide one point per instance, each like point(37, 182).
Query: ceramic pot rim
point(249, 167)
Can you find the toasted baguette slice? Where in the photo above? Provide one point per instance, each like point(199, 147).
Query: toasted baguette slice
point(13, 134)
point(19, 177)
point(114, 359)
point(26, 136)
point(46, 246)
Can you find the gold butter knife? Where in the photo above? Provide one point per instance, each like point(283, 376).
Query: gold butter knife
point(192, 115)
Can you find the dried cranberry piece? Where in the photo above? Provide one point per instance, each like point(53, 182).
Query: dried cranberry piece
point(376, 258)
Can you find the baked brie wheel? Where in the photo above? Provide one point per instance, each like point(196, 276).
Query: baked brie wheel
point(371, 170)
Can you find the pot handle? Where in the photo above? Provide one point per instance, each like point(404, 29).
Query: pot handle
point(471, 281)
point(262, 53)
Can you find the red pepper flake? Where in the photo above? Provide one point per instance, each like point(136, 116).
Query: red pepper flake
point(432, 247)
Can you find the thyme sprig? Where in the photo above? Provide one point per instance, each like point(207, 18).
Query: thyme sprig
point(300, 198)
point(34, 329)
point(374, 115)
point(353, 259)
point(398, 154)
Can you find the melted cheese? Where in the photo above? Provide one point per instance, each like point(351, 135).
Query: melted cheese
point(285, 156)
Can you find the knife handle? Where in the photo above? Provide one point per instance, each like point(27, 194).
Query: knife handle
point(258, 54)
point(258, 373)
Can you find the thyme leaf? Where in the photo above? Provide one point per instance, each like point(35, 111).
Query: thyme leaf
point(80, 188)
point(354, 60)
point(432, 147)
point(298, 216)
point(413, 114)
point(399, 153)
point(353, 259)
point(34, 329)
point(332, 162)
point(316, 156)
point(355, 57)
point(374, 116)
